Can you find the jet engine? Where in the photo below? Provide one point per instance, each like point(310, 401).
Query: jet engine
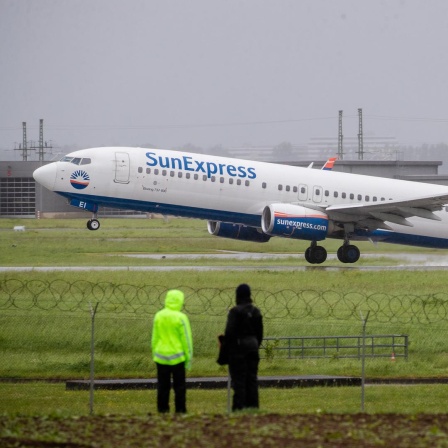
point(237, 231)
point(295, 221)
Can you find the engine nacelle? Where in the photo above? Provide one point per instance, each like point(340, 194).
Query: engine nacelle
point(294, 221)
point(237, 231)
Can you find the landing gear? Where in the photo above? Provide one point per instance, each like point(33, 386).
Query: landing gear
point(315, 254)
point(348, 253)
point(93, 224)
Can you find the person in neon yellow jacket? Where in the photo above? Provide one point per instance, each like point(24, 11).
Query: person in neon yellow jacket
point(172, 351)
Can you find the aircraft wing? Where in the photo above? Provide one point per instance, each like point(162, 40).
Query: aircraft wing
point(374, 214)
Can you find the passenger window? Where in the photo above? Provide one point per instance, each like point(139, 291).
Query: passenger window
point(140, 169)
point(359, 197)
point(238, 181)
point(287, 188)
point(187, 175)
point(294, 189)
point(148, 170)
point(221, 180)
point(374, 199)
point(280, 187)
point(231, 181)
point(327, 193)
point(263, 185)
point(163, 172)
point(303, 190)
point(172, 173)
point(367, 198)
point(156, 171)
point(343, 195)
point(196, 176)
point(247, 183)
point(179, 174)
point(213, 178)
point(204, 177)
point(352, 196)
point(335, 194)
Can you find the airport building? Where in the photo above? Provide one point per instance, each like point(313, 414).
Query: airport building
point(22, 197)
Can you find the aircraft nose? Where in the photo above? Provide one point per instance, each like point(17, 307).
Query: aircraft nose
point(46, 175)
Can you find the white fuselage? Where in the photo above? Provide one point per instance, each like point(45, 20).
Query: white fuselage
point(230, 190)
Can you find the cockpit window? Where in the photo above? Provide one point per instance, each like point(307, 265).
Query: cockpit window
point(77, 160)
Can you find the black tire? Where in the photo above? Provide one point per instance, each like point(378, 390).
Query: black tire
point(318, 254)
point(93, 224)
point(351, 253)
point(308, 257)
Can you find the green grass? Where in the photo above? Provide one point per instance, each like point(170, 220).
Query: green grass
point(67, 242)
point(52, 399)
point(54, 342)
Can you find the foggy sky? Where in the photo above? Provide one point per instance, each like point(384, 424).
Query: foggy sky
point(230, 72)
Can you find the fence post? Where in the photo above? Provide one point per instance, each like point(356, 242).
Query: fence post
point(92, 356)
point(364, 323)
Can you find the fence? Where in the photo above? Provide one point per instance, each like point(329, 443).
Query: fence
point(63, 296)
point(376, 346)
point(46, 329)
point(45, 326)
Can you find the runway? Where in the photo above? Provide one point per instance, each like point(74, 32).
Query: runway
point(398, 262)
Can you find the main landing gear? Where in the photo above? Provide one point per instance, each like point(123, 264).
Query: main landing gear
point(315, 254)
point(347, 253)
point(93, 223)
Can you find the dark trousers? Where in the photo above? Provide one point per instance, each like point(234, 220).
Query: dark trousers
point(164, 374)
point(243, 372)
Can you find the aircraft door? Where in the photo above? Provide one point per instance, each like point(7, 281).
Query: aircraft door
point(303, 192)
point(122, 168)
point(317, 193)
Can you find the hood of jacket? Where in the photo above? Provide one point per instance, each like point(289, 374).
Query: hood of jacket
point(174, 300)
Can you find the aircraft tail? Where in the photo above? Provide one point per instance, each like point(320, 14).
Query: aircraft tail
point(329, 164)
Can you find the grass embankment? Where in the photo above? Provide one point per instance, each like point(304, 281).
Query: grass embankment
point(53, 399)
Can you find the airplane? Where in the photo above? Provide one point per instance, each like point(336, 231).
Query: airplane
point(253, 201)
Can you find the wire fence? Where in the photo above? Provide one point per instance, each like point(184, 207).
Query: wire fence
point(64, 296)
point(47, 331)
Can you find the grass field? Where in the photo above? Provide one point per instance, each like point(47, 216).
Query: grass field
point(52, 341)
point(55, 342)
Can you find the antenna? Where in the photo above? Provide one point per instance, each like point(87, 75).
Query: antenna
point(340, 138)
point(360, 137)
point(40, 148)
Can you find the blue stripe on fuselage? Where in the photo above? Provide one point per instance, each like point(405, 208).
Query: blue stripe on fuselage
point(168, 209)
point(387, 236)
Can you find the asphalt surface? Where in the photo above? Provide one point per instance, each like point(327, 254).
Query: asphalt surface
point(401, 262)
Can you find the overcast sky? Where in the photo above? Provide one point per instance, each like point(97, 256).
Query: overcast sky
point(208, 72)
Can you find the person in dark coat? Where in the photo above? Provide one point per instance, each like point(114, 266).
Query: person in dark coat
point(243, 335)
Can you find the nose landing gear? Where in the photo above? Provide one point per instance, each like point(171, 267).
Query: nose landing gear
point(93, 223)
